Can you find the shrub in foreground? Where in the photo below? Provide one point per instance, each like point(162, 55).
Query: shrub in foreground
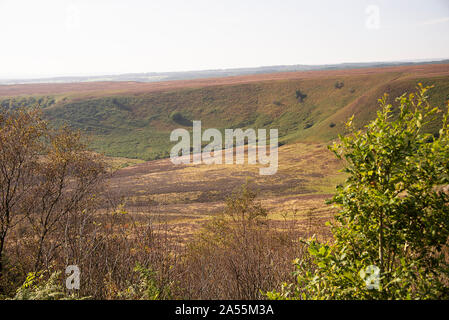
point(392, 226)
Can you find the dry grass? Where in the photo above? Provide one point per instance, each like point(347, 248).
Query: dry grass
point(188, 195)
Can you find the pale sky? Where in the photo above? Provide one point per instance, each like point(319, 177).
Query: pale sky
point(69, 37)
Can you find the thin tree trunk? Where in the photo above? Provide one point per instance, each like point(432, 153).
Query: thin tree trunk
point(2, 242)
point(39, 253)
point(381, 242)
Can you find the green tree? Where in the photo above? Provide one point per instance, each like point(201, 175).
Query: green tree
point(393, 212)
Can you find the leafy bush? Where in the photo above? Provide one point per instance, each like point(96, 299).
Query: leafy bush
point(36, 287)
point(148, 287)
point(393, 214)
point(300, 96)
point(339, 84)
point(308, 125)
point(177, 117)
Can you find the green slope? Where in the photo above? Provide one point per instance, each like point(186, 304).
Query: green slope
point(139, 125)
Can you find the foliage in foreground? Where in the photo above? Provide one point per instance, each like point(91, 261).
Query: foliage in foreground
point(36, 287)
point(239, 254)
point(393, 222)
point(48, 183)
point(147, 288)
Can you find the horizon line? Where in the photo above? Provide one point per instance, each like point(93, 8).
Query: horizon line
point(79, 77)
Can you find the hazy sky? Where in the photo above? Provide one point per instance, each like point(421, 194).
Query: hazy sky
point(48, 38)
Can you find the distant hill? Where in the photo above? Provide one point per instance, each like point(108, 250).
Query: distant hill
point(217, 73)
point(135, 120)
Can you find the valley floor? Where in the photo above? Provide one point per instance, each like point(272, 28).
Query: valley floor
point(187, 195)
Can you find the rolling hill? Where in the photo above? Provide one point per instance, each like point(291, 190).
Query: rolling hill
point(216, 73)
point(134, 120)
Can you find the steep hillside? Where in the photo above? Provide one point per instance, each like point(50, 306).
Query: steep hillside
point(311, 107)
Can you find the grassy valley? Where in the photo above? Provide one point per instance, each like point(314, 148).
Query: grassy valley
point(193, 226)
point(310, 109)
point(137, 124)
